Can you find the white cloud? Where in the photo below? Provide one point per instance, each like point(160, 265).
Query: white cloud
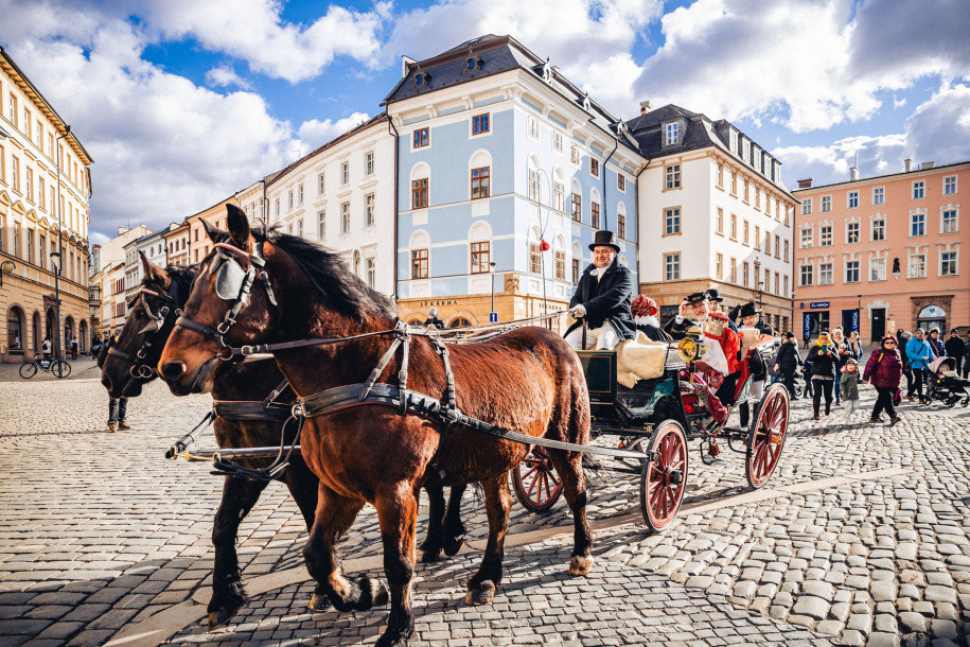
point(590, 40)
point(254, 31)
point(937, 131)
point(163, 147)
point(315, 132)
point(223, 76)
point(813, 64)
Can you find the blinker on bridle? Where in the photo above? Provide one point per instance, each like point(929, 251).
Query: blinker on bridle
point(232, 284)
point(139, 368)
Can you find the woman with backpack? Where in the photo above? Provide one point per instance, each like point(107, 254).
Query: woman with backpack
point(884, 370)
point(825, 362)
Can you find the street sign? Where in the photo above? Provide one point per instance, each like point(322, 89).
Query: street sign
point(818, 304)
point(492, 317)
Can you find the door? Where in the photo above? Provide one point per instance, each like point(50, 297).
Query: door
point(878, 327)
point(850, 321)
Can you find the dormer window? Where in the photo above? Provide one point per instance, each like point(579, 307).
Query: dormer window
point(422, 79)
point(672, 134)
point(472, 64)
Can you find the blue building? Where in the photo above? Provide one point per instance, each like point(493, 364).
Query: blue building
point(505, 170)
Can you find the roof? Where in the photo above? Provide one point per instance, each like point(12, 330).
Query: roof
point(381, 117)
point(493, 55)
point(699, 132)
point(12, 69)
point(874, 178)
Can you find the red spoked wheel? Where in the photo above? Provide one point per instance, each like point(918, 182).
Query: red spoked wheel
point(664, 479)
point(535, 482)
point(766, 439)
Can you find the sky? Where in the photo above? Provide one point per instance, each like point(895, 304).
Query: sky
point(183, 102)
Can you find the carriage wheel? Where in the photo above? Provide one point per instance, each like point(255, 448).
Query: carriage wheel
point(28, 371)
point(767, 436)
point(664, 480)
point(536, 484)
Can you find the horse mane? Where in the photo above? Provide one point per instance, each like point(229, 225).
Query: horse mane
point(344, 291)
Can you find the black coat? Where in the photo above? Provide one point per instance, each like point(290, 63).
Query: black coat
point(955, 347)
point(823, 364)
point(654, 333)
point(788, 358)
point(606, 300)
point(678, 331)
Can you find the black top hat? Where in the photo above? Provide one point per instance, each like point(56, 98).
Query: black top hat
point(712, 295)
point(604, 238)
point(749, 309)
point(697, 297)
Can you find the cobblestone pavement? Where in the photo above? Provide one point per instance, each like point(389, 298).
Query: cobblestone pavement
point(861, 537)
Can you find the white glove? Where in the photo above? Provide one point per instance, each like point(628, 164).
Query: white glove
point(578, 312)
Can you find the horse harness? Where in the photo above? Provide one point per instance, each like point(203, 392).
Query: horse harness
point(140, 368)
point(234, 285)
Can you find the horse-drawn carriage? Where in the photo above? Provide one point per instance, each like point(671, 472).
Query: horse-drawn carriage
point(658, 417)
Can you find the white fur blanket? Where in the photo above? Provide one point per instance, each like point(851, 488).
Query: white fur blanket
point(642, 359)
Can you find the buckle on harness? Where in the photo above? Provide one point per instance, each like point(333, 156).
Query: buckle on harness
point(297, 411)
point(245, 351)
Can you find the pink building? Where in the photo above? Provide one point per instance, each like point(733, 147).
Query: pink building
point(882, 253)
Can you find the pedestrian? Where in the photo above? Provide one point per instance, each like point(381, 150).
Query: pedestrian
point(902, 338)
point(117, 407)
point(787, 362)
point(920, 355)
point(74, 346)
point(855, 345)
point(843, 354)
point(849, 385)
point(966, 364)
point(433, 321)
point(825, 362)
point(884, 370)
point(956, 349)
point(935, 342)
point(807, 367)
point(45, 349)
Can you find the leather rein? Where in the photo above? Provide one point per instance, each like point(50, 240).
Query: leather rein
point(140, 369)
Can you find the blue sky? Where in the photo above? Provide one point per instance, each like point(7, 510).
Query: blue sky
point(183, 102)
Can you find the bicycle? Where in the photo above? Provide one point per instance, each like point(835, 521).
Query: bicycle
point(59, 368)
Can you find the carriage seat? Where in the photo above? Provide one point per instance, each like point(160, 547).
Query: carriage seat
point(643, 359)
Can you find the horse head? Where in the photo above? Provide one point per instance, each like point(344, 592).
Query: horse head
point(130, 363)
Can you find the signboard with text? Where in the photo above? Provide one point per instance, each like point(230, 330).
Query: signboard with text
point(815, 305)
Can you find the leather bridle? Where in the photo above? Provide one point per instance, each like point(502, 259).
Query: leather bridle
point(232, 284)
point(140, 369)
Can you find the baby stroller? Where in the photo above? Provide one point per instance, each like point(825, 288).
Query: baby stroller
point(946, 385)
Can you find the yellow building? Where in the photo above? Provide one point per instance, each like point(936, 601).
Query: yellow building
point(44, 191)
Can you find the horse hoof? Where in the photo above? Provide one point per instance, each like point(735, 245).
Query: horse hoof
point(219, 618)
point(579, 565)
point(396, 637)
point(319, 602)
point(430, 556)
point(452, 546)
point(484, 594)
point(372, 593)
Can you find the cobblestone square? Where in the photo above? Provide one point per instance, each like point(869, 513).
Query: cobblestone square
point(862, 537)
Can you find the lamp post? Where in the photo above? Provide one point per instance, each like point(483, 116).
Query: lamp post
point(56, 264)
point(491, 269)
point(60, 249)
point(4, 264)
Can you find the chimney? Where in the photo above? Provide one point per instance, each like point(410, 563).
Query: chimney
point(853, 174)
point(805, 184)
point(908, 165)
point(925, 166)
point(122, 230)
point(644, 107)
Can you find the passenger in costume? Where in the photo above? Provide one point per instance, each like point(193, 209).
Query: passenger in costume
point(715, 303)
point(603, 299)
point(644, 311)
point(693, 312)
point(750, 318)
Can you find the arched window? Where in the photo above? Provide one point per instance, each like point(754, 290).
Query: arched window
point(594, 209)
point(460, 322)
point(577, 261)
point(480, 247)
point(420, 255)
point(558, 190)
point(356, 262)
point(535, 187)
point(576, 200)
point(420, 186)
point(480, 174)
point(559, 258)
point(15, 329)
point(621, 221)
point(535, 254)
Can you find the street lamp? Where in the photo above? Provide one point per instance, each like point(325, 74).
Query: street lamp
point(12, 265)
point(60, 249)
point(56, 264)
point(491, 269)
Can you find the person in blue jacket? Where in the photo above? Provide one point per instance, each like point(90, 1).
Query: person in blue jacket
point(920, 354)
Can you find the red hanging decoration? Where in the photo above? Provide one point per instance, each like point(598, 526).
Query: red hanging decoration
point(543, 246)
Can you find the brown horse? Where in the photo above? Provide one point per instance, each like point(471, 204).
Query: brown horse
point(232, 382)
point(528, 381)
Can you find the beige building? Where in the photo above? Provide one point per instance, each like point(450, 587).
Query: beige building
point(104, 262)
point(44, 218)
point(177, 240)
point(199, 243)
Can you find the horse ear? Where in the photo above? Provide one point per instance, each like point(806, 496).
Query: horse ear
point(154, 273)
point(238, 225)
point(210, 231)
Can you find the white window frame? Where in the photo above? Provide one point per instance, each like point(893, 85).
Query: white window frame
point(955, 262)
point(321, 225)
point(368, 163)
point(874, 264)
point(672, 177)
point(912, 221)
point(321, 183)
point(806, 242)
point(557, 141)
point(912, 262)
point(344, 218)
point(671, 133)
point(806, 206)
point(344, 173)
point(672, 266)
point(801, 275)
point(825, 201)
point(858, 271)
point(850, 196)
point(826, 273)
point(878, 195)
point(956, 219)
point(826, 235)
point(880, 224)
point(848, 232)
point(532, 129)
point(919, 189)
point(947, 180)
